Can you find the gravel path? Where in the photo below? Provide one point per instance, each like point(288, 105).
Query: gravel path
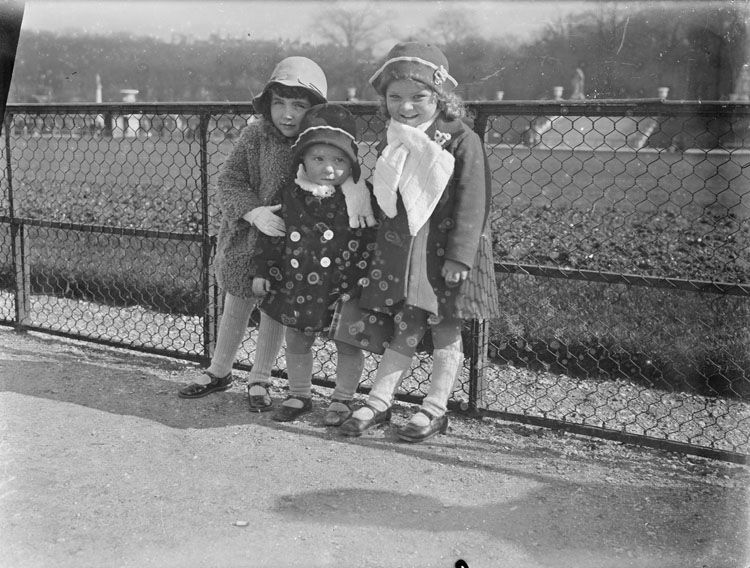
point(102, 465)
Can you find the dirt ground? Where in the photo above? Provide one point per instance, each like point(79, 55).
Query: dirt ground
point(103, 466)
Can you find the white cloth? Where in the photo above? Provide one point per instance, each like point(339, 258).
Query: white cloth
point(316, 189)
point(356, 195)
point(415, 166)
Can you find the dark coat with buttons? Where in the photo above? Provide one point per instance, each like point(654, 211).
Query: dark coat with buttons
point(458, 230)
point(319, 259)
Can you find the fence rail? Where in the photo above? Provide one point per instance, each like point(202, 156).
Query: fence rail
point(620, 231)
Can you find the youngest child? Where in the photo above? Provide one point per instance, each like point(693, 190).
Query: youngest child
point(323, 255)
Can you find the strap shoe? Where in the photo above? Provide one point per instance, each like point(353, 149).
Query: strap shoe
point(413, 433)
point(195, 390)
point(355, 426)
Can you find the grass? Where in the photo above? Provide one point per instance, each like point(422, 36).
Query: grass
point(688, 185)
point(657, 214)
point(666, 339)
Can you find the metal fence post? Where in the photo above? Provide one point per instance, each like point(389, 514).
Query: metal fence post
point(215, 304)
point(477, 364)
point(207, 288)
point(21, 271)
point(22, 275)
point(479, 328)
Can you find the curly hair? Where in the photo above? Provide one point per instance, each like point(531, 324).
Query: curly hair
point(451, 105)
point(285, 92)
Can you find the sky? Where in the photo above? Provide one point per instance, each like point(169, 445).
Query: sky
point(277, 19)
point(294, 19)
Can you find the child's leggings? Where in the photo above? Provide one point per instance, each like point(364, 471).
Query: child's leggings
point(232, 329)
point(299, 363)
point(411, 325)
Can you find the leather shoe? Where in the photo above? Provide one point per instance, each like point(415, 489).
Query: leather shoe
point(194, 390)
point(413, 433)
point(259, 402)
point(355, 427)
point(338, 417)
point(286, 413)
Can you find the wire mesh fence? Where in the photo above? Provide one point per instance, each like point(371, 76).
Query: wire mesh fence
point(620, 234)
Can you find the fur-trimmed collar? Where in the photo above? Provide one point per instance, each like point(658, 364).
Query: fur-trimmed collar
point(316, 189)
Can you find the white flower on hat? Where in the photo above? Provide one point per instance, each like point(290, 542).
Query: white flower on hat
point(440, 75)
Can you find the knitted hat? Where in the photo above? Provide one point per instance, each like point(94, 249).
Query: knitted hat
point(295, 72)
point(421, 62)
point(328, 124)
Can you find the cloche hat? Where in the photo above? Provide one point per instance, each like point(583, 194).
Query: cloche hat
point(329, 124)
point(421, 62)
point(295, 71)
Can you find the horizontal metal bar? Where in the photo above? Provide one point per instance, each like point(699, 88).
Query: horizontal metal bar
point(103, 229)
point(619, 436)
point(592, 107)
point(131, 108)
point(627, 107)
point(702, 286)
point(109, 343)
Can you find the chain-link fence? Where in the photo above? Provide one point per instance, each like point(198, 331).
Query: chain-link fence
point(620, 234)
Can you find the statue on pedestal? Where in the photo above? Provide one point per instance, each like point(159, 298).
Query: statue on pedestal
point(577, 84)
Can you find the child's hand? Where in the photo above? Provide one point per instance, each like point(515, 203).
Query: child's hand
point(358, 204)
point(454, 273)
point(261, 286)
point(267, 222)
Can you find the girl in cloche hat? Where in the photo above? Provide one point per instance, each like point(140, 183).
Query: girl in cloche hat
point(432, 267)
point(248, 191)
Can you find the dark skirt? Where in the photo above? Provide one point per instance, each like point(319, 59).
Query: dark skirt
point(477, 297)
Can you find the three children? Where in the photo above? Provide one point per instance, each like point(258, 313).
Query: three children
point(429, 265)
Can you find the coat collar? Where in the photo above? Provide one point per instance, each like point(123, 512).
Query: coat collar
point(441, 124)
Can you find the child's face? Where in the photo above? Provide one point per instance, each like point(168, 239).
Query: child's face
point(410, 102)
point(286, 114)
point(326, 165)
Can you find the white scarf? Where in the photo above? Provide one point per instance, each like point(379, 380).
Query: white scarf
point(415, 166)
point(357, 196)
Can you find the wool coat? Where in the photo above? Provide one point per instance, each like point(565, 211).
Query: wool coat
point(319, 259)
point(457, 230)
point(258, 167)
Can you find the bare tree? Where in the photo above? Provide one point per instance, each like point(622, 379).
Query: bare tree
point(453, 25)
point(350, 28)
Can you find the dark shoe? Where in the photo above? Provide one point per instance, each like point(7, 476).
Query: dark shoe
point(338, 417)
point(217, 384)
point(412, 433)
point(354, 426)
point(286, 413)
point(259, 402)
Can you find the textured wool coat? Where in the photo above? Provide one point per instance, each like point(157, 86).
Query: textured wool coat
point(457, 230)
point(258, 167)
point(319, 259)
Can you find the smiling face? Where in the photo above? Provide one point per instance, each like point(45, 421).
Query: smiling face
point(410, 102)
point(287, 113)
point(326, 165)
